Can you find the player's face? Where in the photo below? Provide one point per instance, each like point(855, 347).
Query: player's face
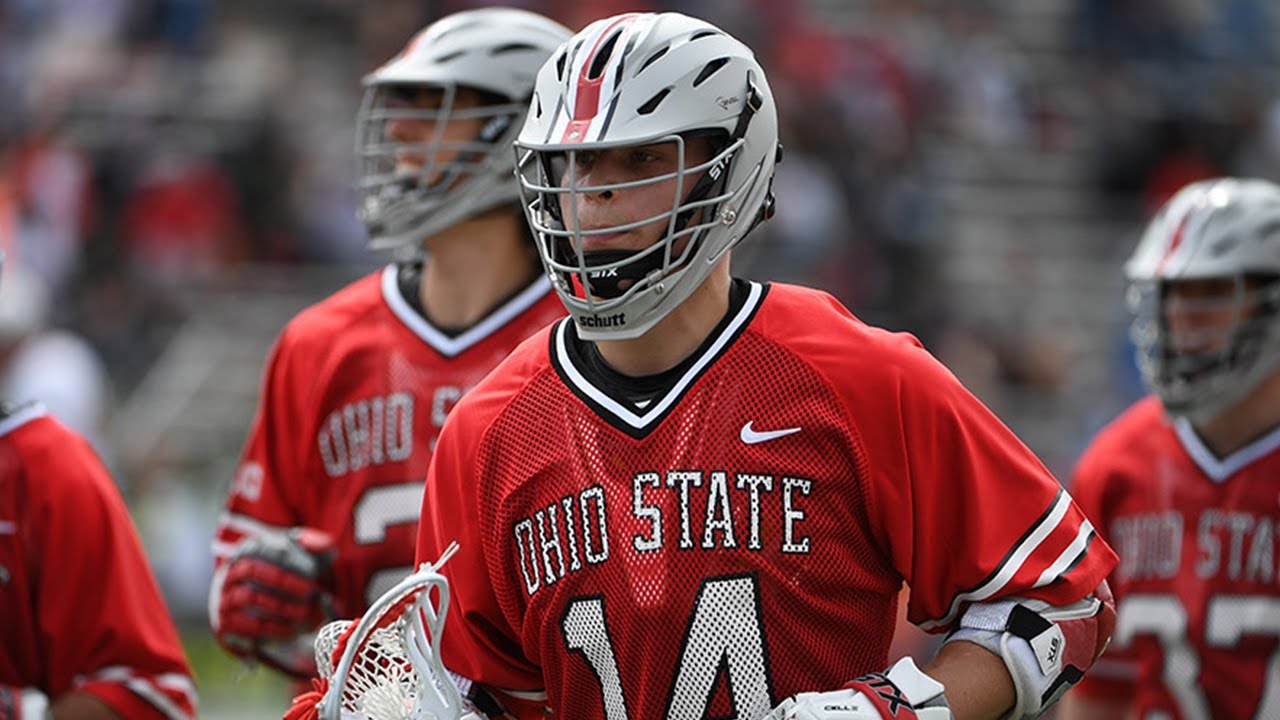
point(606, 208)
point(1201, 314)
point(417, 133)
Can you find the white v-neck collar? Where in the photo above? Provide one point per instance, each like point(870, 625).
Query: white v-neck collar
point(453, 346)
point(657, 407)
point(1209, 464)
point(22, 416)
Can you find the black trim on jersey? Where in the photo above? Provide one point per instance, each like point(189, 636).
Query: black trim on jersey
point(597, 385)
point(1018, 543)
point(1088, 543)
point(953, 606)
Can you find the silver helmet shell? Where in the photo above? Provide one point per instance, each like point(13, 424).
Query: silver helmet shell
point(634, 80)
point(1226, 229)
point(495, 51)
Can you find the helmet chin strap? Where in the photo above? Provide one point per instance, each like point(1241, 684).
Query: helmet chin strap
point(607, 284)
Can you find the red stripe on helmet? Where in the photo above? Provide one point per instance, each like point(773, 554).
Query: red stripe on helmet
point(1174, 242)
point(587, 98)
point(575, 131)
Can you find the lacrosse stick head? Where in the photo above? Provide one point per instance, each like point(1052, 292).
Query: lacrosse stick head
point(387, 665)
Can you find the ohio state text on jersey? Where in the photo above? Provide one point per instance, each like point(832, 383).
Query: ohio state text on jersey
point(1198, 585)
point(356, 390)
point(79, 607)
point(741, 533)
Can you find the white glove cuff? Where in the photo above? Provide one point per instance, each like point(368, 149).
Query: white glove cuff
point(35, 705)
point(1028, 636)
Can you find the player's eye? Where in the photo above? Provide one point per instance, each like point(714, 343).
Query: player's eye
point(643, 157)
point(584, 160)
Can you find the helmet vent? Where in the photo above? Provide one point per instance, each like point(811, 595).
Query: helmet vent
point(512, 47)
point(702, 34)
point(652, 103)
point(451, 56)
point(560, 66)
point(653, 58)
point(602, 57)
point(709, 69)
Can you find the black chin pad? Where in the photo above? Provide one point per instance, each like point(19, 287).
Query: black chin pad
point(609, 284)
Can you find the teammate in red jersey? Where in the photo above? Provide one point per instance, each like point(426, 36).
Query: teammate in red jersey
point(321, 515)
point(699, 496)
point(1183, 484)
point(84, 631)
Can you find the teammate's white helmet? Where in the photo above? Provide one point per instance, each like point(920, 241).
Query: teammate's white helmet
point(1227, 229)
point(495, 51)
point(639, 79)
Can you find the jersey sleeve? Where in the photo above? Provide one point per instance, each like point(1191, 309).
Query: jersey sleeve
point(966, 511)
point(1112, 676)
point(478, 642)
point(107, 629)
point(260, 499)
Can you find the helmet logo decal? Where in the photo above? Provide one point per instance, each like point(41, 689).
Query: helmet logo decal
point(727, 102)
point(605, 321)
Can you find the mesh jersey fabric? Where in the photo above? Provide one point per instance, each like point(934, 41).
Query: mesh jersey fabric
point(743, 537)
point(1198, 604)
point(79, 607)
point(354, 394)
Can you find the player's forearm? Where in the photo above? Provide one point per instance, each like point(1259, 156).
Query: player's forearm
point(978, 685)
point(1076, 707)
point(81, 706)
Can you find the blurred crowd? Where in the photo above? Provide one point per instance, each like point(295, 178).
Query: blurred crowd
point(157, 143)
point(149, 146)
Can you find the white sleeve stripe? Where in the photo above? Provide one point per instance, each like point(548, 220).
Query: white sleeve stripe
point(1011, 565)
point(1069, 557)
point(532, 695)
point(247, 525)
point(120, 673)
point(148, 689)
point(242, 525)
point(222, 550)
point(162, 702)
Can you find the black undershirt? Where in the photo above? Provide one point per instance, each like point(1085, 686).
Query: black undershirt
point(638, 391)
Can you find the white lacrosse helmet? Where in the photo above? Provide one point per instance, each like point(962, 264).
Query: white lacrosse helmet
point(494, 51)
point(1223, 229)
point(634, 80)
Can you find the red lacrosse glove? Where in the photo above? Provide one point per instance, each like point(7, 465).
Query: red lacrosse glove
point(271, 590)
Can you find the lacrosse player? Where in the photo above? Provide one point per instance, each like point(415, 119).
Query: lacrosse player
point(321, 515)
point(1183, 484)
point(84, 631)
point(699, 496)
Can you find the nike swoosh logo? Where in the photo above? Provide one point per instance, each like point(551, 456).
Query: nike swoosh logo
point(751, 437)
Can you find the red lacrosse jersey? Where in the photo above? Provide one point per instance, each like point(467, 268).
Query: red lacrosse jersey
point(1197, 588)
point(742, 533)
point(79, 608)
point(355, 392)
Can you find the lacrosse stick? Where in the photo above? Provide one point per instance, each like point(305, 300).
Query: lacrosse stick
point(389, 666)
